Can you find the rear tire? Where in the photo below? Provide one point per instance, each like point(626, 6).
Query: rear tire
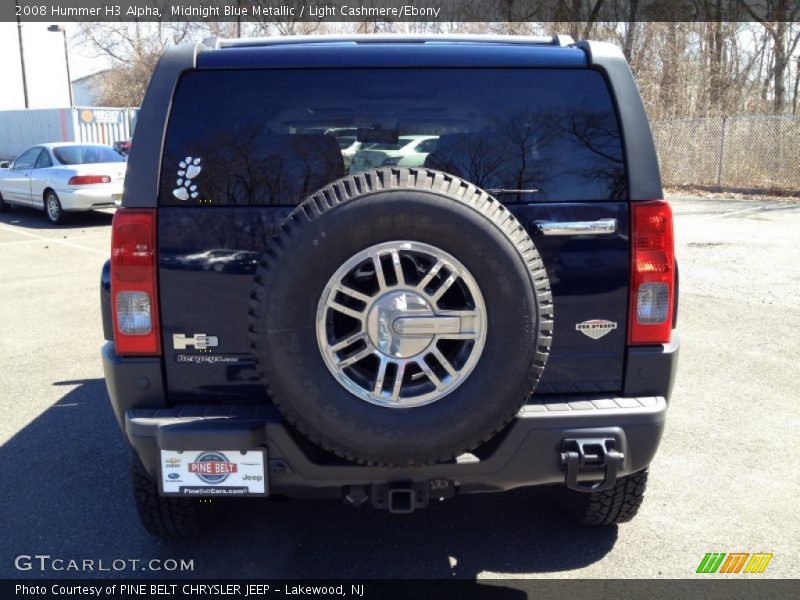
point(609, 507)
point(53, 209)
point(168, 516)
point(427, 219)
point(4, 206)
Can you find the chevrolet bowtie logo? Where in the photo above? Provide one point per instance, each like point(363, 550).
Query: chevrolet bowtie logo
point(200, 341)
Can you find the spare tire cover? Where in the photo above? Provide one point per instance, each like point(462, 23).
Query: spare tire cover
point(400, 317)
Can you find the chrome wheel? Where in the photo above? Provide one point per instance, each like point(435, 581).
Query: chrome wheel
point(401, 324)
point(53, 208)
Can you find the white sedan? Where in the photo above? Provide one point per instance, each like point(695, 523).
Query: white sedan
point(64, 177)
point(407, 151)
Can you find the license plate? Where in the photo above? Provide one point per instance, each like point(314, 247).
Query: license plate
point(213, 473)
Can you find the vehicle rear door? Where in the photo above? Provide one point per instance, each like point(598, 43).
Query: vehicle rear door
point(238, 157)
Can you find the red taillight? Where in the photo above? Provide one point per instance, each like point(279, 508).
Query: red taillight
point(88, 179)
point(652, 273)
point(134, 302)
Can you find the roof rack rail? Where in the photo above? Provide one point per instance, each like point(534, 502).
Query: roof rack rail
point(554, 40)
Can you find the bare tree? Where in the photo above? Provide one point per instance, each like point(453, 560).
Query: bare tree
point(796, 86)
point(132, 49)
point(777, 19)
point(700, 68)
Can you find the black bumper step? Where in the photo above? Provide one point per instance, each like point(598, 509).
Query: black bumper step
point(533, 450)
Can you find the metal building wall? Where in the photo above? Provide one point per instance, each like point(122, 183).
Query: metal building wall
point(100, 125)
point(21, 129)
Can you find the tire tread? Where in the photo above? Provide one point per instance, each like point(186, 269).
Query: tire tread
point(618, 504)
point(414, 179)
point(163, 516)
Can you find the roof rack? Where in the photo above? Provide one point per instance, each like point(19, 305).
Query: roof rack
point(554, 40)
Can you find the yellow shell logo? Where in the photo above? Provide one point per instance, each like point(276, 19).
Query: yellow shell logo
point(87, 116)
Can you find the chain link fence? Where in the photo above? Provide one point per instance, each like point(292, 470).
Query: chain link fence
point(748, 153)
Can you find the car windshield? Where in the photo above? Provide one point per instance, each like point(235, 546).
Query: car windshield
point(86, 155)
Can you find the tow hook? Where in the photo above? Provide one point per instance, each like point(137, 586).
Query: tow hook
point(591, 455)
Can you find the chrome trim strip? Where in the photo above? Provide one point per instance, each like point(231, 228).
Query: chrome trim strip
point(599, 227)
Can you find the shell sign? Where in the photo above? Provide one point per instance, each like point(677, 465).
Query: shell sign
point(104, 117)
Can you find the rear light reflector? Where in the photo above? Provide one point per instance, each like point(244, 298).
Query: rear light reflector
point(652, 303)
point(134, 314)
point(133, 282)
point(88, 179)
point(652, 273)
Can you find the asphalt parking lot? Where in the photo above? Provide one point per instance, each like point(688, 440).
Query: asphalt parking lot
point(724, 480)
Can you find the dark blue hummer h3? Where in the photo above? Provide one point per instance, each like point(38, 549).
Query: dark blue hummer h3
point(389, 270)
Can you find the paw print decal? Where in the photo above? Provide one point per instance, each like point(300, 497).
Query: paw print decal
point(189, 169)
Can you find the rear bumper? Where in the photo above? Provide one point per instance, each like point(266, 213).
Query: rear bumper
point(88, 198)
point(528, 452)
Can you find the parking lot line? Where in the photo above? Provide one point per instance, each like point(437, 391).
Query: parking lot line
point(735, 212)
point(54, 240)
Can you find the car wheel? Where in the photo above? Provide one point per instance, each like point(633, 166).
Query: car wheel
point(618, 504)
point(52, 208)
point(4, 206)
point(170, 517)
point(413, 314)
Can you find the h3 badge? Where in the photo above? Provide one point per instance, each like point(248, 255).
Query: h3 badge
point(200, 341)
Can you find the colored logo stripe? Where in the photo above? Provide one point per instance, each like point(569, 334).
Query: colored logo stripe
point(734, 562)
point(713, 562)
point(758, 562)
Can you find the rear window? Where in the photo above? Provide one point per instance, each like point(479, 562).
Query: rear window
point(274, 137)
point(86, 155)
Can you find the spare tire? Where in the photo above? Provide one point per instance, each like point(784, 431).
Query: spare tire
point(400, 317)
